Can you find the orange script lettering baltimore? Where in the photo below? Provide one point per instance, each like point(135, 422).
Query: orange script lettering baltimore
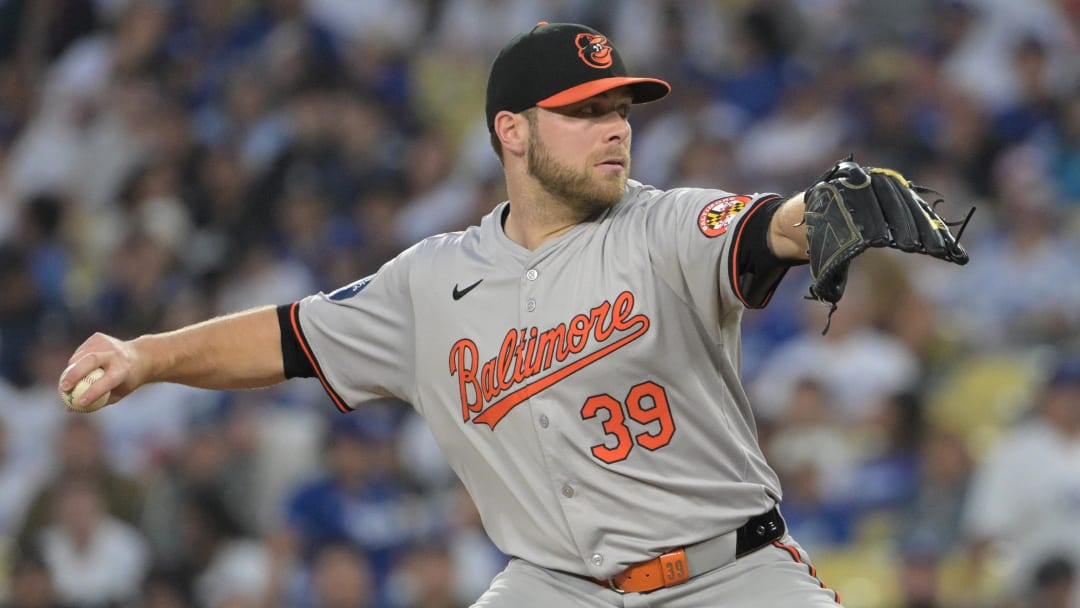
point(526, 353)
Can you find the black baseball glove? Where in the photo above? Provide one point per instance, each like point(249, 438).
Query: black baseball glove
point(851, 208)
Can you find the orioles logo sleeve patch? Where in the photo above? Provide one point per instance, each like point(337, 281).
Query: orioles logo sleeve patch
point(717, 215)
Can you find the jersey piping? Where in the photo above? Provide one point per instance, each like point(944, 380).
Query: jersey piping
point(294, 317)
point(733, 267)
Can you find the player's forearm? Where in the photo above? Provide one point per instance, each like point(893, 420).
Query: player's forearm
point(241, 350)
point(787, 232)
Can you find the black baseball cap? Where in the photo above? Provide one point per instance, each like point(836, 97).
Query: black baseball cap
point(556, 64)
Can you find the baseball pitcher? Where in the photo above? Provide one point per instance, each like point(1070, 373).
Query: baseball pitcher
point(577, 353)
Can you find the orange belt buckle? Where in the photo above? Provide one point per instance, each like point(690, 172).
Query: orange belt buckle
point(668, 570)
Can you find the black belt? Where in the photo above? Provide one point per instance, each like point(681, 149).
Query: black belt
point(759, 531)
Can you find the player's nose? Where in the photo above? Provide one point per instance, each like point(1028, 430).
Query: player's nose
point(617, 128)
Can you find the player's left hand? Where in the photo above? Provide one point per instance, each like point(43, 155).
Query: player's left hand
point(851, 208)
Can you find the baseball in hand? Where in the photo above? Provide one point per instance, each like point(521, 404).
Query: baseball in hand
point(71, 398)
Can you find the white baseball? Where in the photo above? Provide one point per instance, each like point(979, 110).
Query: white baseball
point(71, 398)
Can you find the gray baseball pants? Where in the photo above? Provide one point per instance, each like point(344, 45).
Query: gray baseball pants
point(771, 577)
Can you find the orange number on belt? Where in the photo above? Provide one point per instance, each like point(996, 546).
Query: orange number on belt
point(616, 426)
point(676, 571)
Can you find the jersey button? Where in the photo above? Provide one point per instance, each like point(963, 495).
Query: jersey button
point(543, 421)
point(567, 491)
point(597, 560)
point(530, 305)
point(532, 274)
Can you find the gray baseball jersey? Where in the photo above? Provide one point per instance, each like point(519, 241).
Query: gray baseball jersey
point(587, 393)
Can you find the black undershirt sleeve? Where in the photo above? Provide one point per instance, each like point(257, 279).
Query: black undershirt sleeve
point(757, 270)
point(295, 362)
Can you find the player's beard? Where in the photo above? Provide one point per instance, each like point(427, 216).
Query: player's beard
point(578, 189)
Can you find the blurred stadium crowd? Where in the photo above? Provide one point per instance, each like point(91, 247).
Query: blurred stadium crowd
point(163, 161)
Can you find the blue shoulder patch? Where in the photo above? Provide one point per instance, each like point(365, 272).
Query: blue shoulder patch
point(350, 290)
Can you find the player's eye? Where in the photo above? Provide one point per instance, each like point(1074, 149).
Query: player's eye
point(624, 110)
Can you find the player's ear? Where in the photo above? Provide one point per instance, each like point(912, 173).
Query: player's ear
point(513, 131)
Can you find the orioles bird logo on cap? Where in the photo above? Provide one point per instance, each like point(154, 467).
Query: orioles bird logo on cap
point(594, 50)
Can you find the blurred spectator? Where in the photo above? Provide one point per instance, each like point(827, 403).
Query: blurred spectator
point(373, 215)
point(222, 210)
point(392, 24)
point(311, 159)
point(95, 559)
point(277, 437)
point(205, 464)
point(476, 560)
point(682, 37)
point(39, 232)
point(1063, 146)
point(919, 572)
point(915, 321)
point(81, 460)
point(886, 478)
point(786, 150)
point(140, 442)
point(163, 588)
point(30, 408)
point(807, 435)
point(341, 578)
point(425, 578)
point(1024, 505)
point(371, 145)
point(857, 364)
point(890, 121)
point(361, 500)
point(138, 270)
point(984, 37)
point(1036, 101)
point(259, 276)
point(19, 483)
point(1054, 584)
point(825, 521)
point(303, 227)
point(31, 424)
point(664, 148)
point(420, 455)
point(753, 74)
point(244, 120)
point(225, 567)
point(20, 313)
point(439, 192)
point(140, 29)
point(32, 584)
point(936, 511)
point(1017, 305)
point(49, 28)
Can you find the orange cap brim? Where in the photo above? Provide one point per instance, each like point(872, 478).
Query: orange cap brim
point(644, 90)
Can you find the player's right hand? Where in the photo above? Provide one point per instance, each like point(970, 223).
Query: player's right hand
point(119, 359)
